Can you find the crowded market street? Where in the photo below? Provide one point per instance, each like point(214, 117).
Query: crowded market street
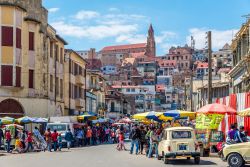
point(95, 156)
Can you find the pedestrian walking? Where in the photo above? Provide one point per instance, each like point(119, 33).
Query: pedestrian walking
point(1, 137)
point(121, 142)
point(48, 139)
point(153, 143)
point(135, 137)
point(142, 138)
point(79, 137)
point(54, 139)
point(94, 135)
point(29, 141)
point(59, 139)
point(69, 138)
point(8, 140)
point(107, 134)
point(89, 136)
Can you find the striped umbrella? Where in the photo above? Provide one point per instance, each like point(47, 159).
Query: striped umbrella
point(148, 115)
point(24, 120)
point(169, 115)
point(244, 113)
point(7, 120)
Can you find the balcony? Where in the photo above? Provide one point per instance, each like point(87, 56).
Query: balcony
point(79, 79)
point(79, 103)
point(94, 87)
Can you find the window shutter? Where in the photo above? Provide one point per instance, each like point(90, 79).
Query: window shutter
point(31, 79)
point(18, 76)
point(31, 41)
point(7, 75)
point(7, 36)
point(18, 38)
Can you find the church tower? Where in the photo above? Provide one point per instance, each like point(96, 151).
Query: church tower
point(151, 50)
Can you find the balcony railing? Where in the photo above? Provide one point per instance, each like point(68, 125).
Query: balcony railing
point(79, 103)
point(79, 79)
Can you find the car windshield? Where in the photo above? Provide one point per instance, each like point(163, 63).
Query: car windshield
point(181, 135)
point(58, 127)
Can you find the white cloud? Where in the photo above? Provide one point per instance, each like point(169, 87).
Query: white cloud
point(93, 32)
point(130, 38)
point(53, 10)
point(164, 36)
point(86, 14)
point(114, 9)
point(219, 37)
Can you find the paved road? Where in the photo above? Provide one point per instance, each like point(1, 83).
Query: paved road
point(96, 156)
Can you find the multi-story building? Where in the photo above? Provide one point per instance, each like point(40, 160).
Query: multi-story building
point(182, 56)
point(240, 73)
point(31, 57)
point(167, 67)
point(74, 83)
point(95, 92)
point(223, 58)
point(88, 54)
point(200, 55)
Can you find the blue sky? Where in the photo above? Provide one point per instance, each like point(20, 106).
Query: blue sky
point(97, 23)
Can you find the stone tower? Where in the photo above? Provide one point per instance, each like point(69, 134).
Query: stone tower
point(151, 50)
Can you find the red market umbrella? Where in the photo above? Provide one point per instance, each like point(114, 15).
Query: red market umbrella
point(216, 108)
point(125, 120)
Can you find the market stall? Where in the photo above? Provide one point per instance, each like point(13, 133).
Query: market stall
point(208, 120)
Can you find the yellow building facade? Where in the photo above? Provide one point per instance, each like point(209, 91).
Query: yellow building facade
point(31, 60)
point(74, 83)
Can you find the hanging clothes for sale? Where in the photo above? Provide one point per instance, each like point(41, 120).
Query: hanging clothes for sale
point(247, 119)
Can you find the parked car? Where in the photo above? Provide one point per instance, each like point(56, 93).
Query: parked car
point(178, 143)
point(236, 154)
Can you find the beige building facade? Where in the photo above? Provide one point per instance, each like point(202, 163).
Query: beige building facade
point(31, 55)
point(74, 83)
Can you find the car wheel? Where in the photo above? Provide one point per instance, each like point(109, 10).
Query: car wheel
point(188, 158)
point(235, 160)
point(197, 160)
point(165, 160)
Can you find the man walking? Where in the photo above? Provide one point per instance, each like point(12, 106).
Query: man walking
point(69, 138)
point(8, 140)
point(1, 137)
point(48, 139)
point(54, 139)
point(135, 137)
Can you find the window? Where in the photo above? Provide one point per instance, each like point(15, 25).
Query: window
point(75, 92)
point(57, 86)
point(18, 76)
point(31, 41)
point(61, 55)
point(7, 74)
point(7, 36)
point(31, 79)
point(75, 69)
point(80, 70)
point(56, 53)
point(51, 49)
point(18, 38)
point(61, 88)
point(181, 135)
point(133, 90)
point(128, 90)
point(51, 83)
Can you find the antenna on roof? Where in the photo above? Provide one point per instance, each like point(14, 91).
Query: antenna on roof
point(247, 16)
point(192, 42)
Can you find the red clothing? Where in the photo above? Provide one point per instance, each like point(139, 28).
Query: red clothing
point(54, 136)
point(89, 133)
point(29, 139)
point(8, 136)
point(121, 137)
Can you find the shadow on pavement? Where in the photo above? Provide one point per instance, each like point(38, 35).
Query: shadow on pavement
point(190, 162)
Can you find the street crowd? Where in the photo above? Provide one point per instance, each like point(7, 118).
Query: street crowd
point(52, 140)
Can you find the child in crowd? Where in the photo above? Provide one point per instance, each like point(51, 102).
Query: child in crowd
point(59, 139)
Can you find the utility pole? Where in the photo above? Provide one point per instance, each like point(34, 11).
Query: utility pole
point(192, 72)
point(209, 38)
